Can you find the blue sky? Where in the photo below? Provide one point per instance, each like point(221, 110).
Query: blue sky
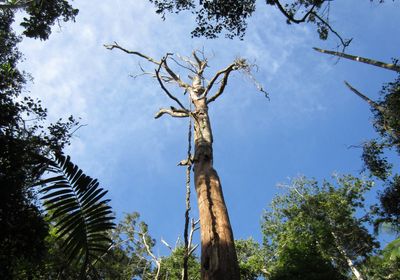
point(305, 129)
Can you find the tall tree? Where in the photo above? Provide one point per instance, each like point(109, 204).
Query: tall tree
point(386, 112)
point(218, 255)
point(321, 220)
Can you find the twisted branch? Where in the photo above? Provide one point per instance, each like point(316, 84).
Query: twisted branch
point(163, 62)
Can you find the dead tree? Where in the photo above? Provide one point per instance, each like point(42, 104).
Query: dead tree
point(218, 255)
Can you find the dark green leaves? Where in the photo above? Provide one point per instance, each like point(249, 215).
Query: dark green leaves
point(43, 15)
point(81, 214)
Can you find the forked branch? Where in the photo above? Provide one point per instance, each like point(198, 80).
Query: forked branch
point(225, 72)
point(163, 62)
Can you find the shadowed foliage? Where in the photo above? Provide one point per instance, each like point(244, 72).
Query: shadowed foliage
point(76, 203)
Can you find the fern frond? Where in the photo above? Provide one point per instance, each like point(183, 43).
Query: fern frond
point(82, 216)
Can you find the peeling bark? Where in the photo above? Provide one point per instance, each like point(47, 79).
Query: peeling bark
point(218, 254)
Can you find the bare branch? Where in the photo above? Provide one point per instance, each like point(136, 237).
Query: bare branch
point(166, 244)
point(155, 259)
point(389, 66)
point(184, 66)
point(291, 17)
point(225, 71)
point(116, 46)
point(344, 43)
point(163, 87)
point(366, 98)
point(224, 81)
point(193, 229)
point(173, 112)
point(306, 16)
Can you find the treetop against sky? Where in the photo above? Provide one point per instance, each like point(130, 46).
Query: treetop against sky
point(306, 128)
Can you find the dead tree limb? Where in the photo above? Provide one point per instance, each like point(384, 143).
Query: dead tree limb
point(226, 73)
point(389, 66)
point(116, 46)
point(163, 61)
point(173, 112)
point(156, 260)
point(366, 98)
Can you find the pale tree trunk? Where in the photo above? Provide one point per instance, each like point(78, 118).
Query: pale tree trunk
point(389, 66)
point(378, 107)
point(218, 254)
point(350, 263)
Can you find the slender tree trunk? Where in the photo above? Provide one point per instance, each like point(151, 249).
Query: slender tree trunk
point(389, 66)
point(218, 254)
point(350, 263)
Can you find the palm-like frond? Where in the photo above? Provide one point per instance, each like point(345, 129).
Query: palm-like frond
point(82, 216)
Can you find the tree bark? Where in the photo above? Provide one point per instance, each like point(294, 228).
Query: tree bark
point(218, 254)
point(350, 263)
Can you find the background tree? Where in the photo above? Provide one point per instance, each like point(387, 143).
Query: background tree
point(386, 121)
point(322, 221)
point(171, 266)
point(41, 15)
point(23, 143)
point(26, 146)
point(251, 258)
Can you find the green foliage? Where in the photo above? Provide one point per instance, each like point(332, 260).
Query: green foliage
point(387, 124)
point(41, 15)
point(212, 17)
point(303, 260)
point(385, 265)
point(82, 216)
point(389, 212)
point(171, 266)
point(128, 258)
point(24, 144)
point(374, 160)
point(322, 219)
point(251, 259)
point(230, 17)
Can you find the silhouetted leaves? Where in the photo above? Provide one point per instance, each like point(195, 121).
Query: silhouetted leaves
point(76, 203)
